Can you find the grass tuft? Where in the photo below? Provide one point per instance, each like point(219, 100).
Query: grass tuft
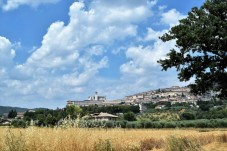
point(151, 143)
point(15, 143)
point(103, 145)
point(182, 144)
point(222, 138)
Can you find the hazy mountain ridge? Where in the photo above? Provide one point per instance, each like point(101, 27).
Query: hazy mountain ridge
point(6, 109)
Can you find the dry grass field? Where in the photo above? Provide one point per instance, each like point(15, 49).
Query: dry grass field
point(77, 139)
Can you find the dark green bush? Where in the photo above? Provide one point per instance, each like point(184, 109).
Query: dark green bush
point(130, 116)
point(170, 125)
point(201, 124)
point(110, 124)
point(187, 116)
point(19, 124)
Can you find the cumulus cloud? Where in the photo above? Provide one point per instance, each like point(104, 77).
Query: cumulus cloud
point(153, 35)
point(171, 17)
point(144, 58)
point(7, 53)
point(13, 4)
point(98, 25)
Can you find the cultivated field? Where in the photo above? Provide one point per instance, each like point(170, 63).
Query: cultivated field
point(75, 139)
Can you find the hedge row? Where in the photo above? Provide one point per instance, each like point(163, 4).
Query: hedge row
point(202, 123)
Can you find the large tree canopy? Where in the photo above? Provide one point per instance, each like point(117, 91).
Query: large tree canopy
point(201, 41)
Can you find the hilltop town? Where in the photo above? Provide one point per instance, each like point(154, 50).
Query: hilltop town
point(173, 94)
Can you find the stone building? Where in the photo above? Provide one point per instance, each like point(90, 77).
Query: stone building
point(95, 100)
point(173, 94)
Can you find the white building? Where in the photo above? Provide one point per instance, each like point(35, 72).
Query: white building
point(96, 97)
point(103, 116)
point(95, 100)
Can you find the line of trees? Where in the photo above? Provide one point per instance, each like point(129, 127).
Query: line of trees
point(47, 117)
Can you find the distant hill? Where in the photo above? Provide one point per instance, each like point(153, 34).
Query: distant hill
point(6, 109)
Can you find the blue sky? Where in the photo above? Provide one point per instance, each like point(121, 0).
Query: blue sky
point(57, 50)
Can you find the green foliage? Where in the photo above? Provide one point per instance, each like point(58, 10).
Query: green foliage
point(130, 116)
point(150, 105)
point(29, 115)
point(110, 109)
point(73, 111)
point(19, 123)
point(201, 123)
point(206, 105)
point(187, 116)
point(213, 114)
point(50, 120)
point(12, 114)
point(45, 117)
point(158, 116)
point(201, 39)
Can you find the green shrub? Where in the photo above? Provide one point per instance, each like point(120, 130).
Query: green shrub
point(187, 116)
point(138, 125)
point(158, 125)
point(110, 124)
point(19, 124)
point(148, 125)
point(222, 122)
point(188, 124)
point(129, 125)
point(170, 125)
point(130, 116)
point(121, 124)
point(201, 124)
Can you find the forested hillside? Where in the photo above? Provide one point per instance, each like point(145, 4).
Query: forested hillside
point(6, 109)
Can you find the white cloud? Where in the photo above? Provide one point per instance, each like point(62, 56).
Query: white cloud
point(7, 53)
point(153, 35)
point(172, 17)
point(98, 25)
point(144, 58)
point(13, 4)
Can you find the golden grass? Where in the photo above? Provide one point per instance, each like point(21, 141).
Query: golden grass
point(78, 139)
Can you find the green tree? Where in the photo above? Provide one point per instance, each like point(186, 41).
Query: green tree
point(41, 120)
point(130, 116)
point(202, 42)
point(73, 111)
point(187, 116)
point(12, 114)
point(50, 119)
